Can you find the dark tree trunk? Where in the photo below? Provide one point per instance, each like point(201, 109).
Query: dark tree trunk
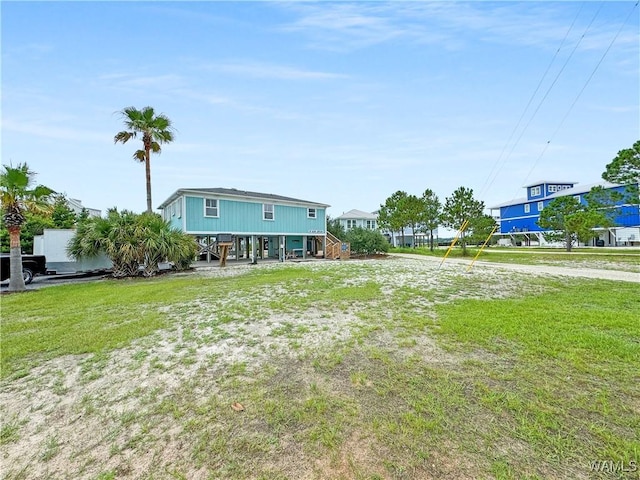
point(16, 281)
point(147, 168)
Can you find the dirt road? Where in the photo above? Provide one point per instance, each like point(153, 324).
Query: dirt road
point(604, 274)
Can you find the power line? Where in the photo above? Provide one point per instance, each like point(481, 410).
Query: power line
point(489, 181)
point(593, 72)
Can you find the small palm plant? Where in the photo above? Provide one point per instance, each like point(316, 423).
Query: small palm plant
point(134, 243)
point(16, 198)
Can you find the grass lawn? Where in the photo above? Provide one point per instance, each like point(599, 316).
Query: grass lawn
point(381, 369)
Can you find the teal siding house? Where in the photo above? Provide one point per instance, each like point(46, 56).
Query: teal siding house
point(259, 225)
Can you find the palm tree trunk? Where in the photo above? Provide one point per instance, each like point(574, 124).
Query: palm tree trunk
point(147, 168)
point(16, 280)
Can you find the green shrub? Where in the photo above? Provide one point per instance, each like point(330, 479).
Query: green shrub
point(134, 242)
point(367, 242)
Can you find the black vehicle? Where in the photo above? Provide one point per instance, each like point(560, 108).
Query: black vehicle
point(32, 265)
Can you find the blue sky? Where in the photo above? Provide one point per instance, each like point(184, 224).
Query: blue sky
point(336, 102)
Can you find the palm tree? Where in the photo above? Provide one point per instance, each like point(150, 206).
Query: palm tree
point(16, 198)
point(155, 129)
point(133, 241)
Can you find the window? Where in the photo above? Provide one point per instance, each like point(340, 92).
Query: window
point(540, 206)
point(267, 211)
point(371, 224)
point(553, 188)
point(527, 208)
point(211, 207)
point(311, 212)
point(535, 191)
point(351, 224)
point(577, 197)
point(180, 208)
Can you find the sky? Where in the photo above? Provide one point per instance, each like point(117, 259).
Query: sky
point(342, 103)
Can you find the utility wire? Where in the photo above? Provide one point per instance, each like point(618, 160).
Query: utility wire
point(489, 181)
point(582, 90)
point(540, 103)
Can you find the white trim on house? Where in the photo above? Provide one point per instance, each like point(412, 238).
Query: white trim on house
point(240, 196)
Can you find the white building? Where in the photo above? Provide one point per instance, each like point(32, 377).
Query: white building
point(358, 218)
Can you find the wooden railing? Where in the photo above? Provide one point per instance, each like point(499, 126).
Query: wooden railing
point(334, 248)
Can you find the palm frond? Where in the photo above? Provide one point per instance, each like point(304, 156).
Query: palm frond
point(123, 137)
point(140, 156)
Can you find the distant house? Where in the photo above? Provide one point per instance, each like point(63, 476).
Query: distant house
point(76, 205)
point(358, 218)
point(518, 218)
point(259, 225)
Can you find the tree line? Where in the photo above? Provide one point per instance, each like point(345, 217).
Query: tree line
point(424, 214)
point(565, 218)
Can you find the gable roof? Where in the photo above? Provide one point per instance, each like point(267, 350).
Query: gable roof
point(235, 194)
point(358, 214)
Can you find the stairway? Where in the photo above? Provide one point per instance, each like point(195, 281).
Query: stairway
point(334, 248)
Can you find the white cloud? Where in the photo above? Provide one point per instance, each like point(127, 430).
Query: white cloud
point(126, 80)
point(53, 130)
point(283, 72)
point(351, 26)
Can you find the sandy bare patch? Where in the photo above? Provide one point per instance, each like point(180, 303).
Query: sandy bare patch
point(77, 416)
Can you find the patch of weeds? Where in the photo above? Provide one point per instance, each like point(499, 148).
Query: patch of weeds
point(171, 405)
point(359, 379)
point(139, 357)
point(212, 359)
point(407, 342)
point(114, 450)
point(328, 360)
point(128, 417)
point(109, 475)
point(87, 405)
point(51, 449)
point(157, 364)
point(284, 330)
point(272, 475)
point(92, 368)
point(58, 386)
point(18, 374)
point(237, 368)
point(10, 431)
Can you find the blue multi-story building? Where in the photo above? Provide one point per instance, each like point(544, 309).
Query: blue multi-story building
point(519, 217)
point(261, 224)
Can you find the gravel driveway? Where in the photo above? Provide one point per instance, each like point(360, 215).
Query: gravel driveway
point(536, 269)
